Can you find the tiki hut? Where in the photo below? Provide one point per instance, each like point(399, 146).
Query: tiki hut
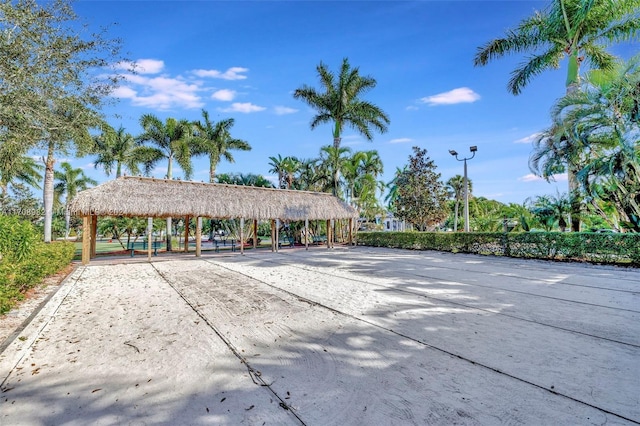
point(161, 198)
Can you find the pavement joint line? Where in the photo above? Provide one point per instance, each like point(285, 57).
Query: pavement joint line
point(8, 365)
point(453, 354)
point(474, 307)
point(257, 379)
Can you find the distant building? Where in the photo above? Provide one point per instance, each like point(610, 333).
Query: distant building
point(393, 224)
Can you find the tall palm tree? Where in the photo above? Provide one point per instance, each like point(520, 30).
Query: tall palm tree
point(456, 189)
point(119, 148)
point(339, 102)
point(577, 29)
point(214, 140)
point(171, 140)
point(68, 182)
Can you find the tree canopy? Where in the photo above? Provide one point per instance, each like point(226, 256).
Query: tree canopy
point(421, 195)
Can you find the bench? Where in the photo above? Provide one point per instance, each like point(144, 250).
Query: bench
point(142, 245)
point(286, 241)
point(223, 243)
point(320, 239)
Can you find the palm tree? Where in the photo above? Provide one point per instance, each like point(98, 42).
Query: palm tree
point(290, 166)
point(16, 167)
point(171, 140)
point(340, 102)
point(245, 179)
point(308, 176)
point(392, 186)
point(360, 172)
point(333, 160)
point(577, 29)
point(214, 140)
point(276, 164)
point(603, 117)
point(456, 189)
point(550, 210)
point(119, 148)
point(68, 182)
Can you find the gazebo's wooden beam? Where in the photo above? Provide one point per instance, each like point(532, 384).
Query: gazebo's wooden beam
point(198, 236)
point(86, 239)
point(255, 233)
point(94, 235)
point(149, 235)
point(186, 234)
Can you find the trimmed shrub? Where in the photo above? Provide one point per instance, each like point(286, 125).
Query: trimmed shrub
point(610, 248)
point(25, 261)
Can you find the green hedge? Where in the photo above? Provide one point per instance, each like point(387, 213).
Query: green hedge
point(578, 246)
point(25, 261)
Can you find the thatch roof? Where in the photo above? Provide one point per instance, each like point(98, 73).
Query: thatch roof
point(148, 197)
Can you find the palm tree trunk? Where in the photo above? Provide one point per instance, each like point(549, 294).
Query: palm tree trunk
point(48, 192)
point(572, 85)
point(67, 221)
point(212, 169)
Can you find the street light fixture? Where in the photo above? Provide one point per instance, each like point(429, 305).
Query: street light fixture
point(473, 150)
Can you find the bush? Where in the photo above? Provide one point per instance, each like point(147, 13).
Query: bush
point(579, 246)
point(24, 261)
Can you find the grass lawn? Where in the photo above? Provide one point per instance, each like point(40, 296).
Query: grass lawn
point(106, 246)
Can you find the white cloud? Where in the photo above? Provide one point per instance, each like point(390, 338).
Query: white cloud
point(143, 66)
point(160, 92)
point(233, 73)
point(243, 107)
point(411, 108)
point(224, 95)
point(87, 166)
point(401, 140)
point(455, 96)
point(282, 110)
point(530, 178)
point(528, 139)
point(533, 178)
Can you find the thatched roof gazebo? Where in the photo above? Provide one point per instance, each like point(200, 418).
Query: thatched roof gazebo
point(161, 198)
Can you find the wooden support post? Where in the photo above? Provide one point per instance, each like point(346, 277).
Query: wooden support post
point(306, 234)
point(198, 236)
point(86, 239)
point(242, 236)
point(149, 237)
point(186, 234)
point(350, 231)
point(277, 235)
point(328, 233)
point(255, 233)
point(94, 235)
point(273, 235)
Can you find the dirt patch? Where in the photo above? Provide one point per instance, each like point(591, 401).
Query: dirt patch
point(13, 319)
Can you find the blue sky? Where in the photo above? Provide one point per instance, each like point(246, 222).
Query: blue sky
point(244, 59)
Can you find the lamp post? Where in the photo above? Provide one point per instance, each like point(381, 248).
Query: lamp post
point(473, 150)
